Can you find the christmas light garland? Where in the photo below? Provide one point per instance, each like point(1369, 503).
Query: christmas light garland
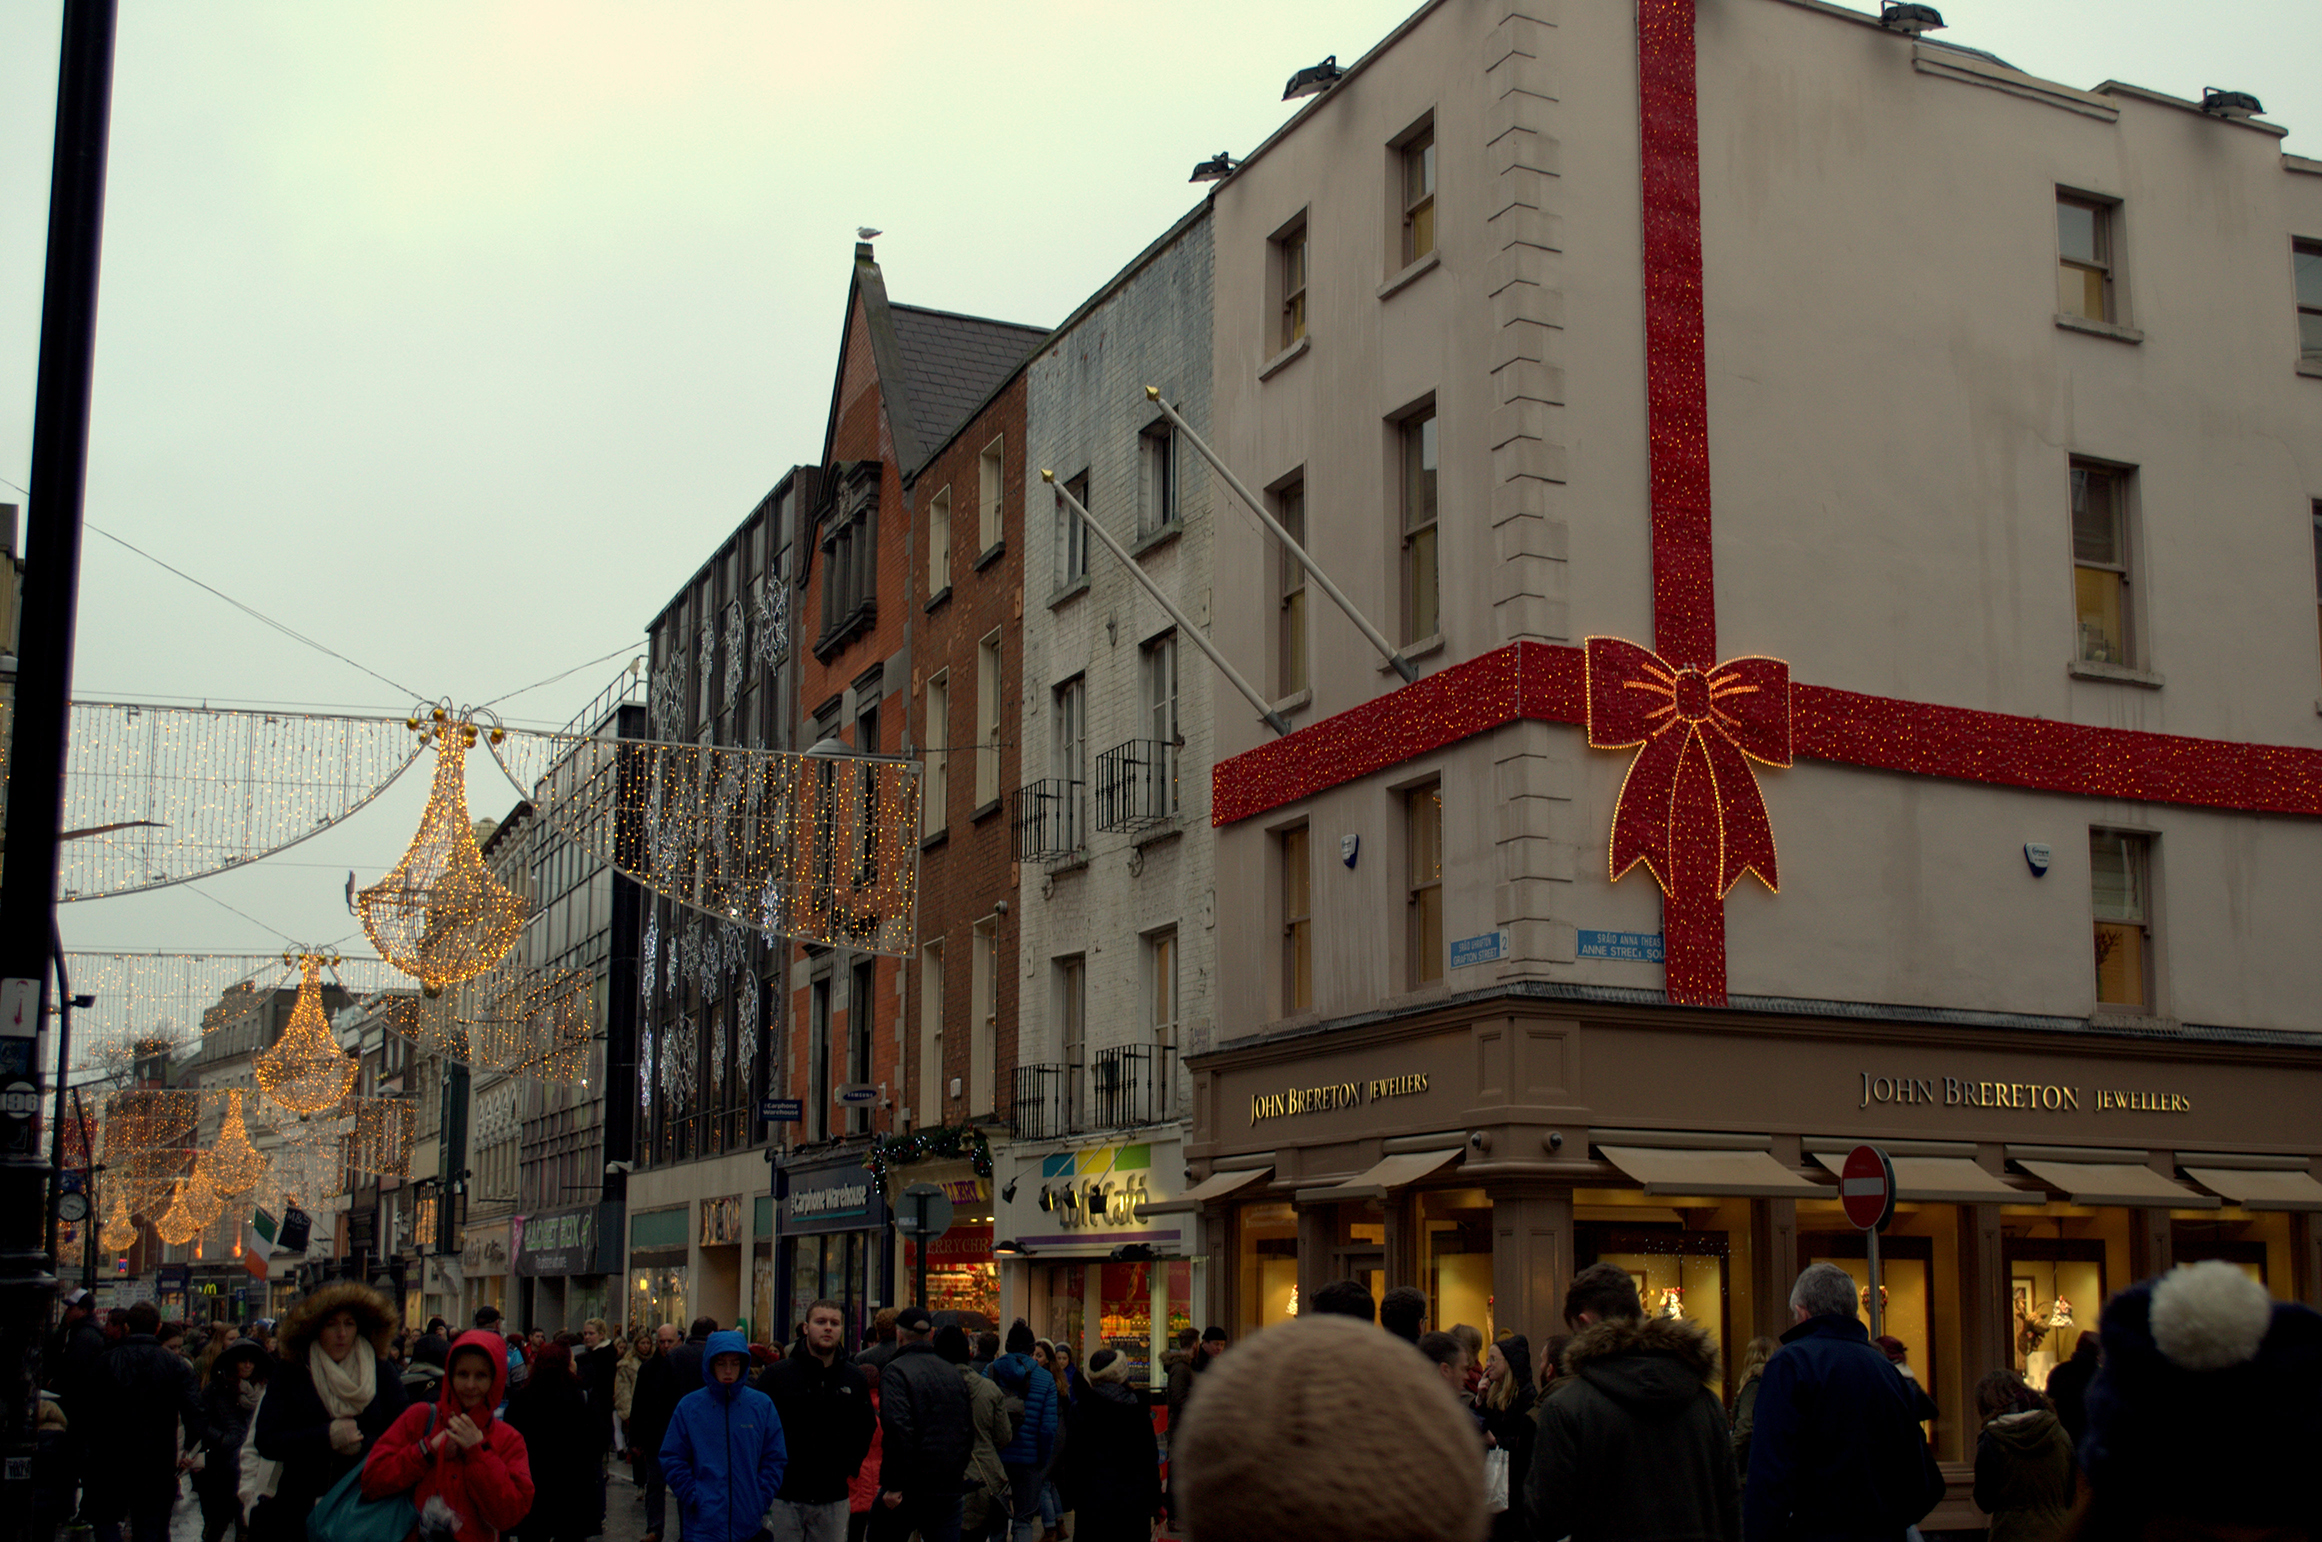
point(942, 1141)
point(440, 916)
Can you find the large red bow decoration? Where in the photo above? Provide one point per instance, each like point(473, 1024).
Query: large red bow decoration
point(1690, 808)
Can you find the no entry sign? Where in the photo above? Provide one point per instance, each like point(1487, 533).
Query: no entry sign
point(1866, 1188)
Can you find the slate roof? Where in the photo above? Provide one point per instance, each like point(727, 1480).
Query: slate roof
point(951, 363)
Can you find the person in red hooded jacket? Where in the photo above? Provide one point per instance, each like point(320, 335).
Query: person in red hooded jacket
point(467, 1473)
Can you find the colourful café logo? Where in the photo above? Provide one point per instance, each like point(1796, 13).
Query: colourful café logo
point(1101, 1186)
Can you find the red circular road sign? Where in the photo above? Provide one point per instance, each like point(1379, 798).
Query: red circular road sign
point(1866, 1188)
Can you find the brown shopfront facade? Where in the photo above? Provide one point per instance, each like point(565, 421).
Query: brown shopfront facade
point(1485, 1149)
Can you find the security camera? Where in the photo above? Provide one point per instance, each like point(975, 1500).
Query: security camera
point(1555, 1140)
point(1479, 1141)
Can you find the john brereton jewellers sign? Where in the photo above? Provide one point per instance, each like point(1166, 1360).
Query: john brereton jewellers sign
point(2032, 1097)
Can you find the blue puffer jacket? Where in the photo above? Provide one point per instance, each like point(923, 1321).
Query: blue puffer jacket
point(1019, 1375)
point(723, 1456)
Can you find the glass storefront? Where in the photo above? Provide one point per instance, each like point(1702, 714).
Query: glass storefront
point(832, 1267)
point(962, 1275)
point(658, 1293)
point(763, 1328)
point(1267, 1267)
point(1689, 1256)
point(1063, 1321)
point(1126, 1295)
point(1455, 1258)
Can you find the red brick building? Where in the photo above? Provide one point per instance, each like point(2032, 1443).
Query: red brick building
point(909, 383)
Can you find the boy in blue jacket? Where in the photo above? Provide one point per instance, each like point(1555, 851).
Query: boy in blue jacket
point(723, 1456)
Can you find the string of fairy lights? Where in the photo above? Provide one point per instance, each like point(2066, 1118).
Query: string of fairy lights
point(748, 841)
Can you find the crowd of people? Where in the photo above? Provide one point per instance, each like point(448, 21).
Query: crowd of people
point(2183, 1416)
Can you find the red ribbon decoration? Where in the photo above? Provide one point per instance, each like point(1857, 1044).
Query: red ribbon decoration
point(1690, 808)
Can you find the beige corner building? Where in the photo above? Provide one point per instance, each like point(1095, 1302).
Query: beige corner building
point(2006, 404)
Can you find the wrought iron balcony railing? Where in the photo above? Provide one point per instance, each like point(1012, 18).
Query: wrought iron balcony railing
point(1047, 820)
point(1043, 1101)
point(1136, 786)
point(1131, 1084)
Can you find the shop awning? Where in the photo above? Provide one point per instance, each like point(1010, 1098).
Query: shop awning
point(1673, 1171)
point(2116, 1183)
point(1215, 1186)
point(1398, 1171)
point(2259, 1189)
point(1939, 1180)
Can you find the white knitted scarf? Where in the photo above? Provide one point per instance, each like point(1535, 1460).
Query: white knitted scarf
point(346, 1388)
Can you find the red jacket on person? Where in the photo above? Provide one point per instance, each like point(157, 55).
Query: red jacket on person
point(488, 1486)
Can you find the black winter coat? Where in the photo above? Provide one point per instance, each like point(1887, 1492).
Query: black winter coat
point(1836, 1451)
point(927, 1426)
point(226, 1418)
point(294, 1428)
point(1112, 1477)
point(1518, 1434)
point(661, 1381)
point(143, 1393)
point(595, 1368)
point(559, 1430)
point(1632, 1443)
point(827, 1421)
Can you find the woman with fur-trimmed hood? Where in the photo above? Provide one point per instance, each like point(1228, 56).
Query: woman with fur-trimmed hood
point(329, 1399)
point(1633, 1443)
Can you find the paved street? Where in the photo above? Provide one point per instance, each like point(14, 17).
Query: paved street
point(624, 1512)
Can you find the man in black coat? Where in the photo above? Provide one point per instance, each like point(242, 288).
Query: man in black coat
point(1633, 1443)
point(1836, 1451)
point(927, 1436)
point(650, 1408)
point(827, 1419)
point(143, 1393)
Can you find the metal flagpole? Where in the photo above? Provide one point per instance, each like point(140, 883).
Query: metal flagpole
point(1403, 666)
point(1267, 714)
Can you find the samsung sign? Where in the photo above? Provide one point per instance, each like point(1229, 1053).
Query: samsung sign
point(835, 1199)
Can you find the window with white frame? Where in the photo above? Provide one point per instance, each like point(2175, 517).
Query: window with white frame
point(1161, 986)
point(1072, 1028)
point(1423, 868)
point(862, 1012)
point(2120, 893)
point(1422, 583)
point(939, 542)
point(988, 720)
point(1072, 534)
point(2087, 236)
point(1156, 479)
point(931, 1108)
point(1417, 161)
point(984, 1017)
point(1297, 920)
point(1290, 605)
point(1068, 757)
point(1290, 268)
point(990, 472)
point(2101, 563)
point(2306, 274)
point(1159, 669)
point(935, 786)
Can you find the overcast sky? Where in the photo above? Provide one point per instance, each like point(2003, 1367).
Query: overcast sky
point(457, 334)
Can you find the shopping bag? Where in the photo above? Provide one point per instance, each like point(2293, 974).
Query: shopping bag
point(344, 1515)
point(1495, 1480)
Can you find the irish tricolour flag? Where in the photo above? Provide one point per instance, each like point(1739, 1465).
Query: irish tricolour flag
point(257, 1242)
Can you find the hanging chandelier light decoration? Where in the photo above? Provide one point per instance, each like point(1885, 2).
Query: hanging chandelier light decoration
point(119, 1233)
point(175, 1226)
point(440, 916)
point(306, 1071)
point(233, 1165)
point(199, 1198)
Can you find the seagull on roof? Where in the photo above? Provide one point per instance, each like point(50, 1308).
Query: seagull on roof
point(866, 233)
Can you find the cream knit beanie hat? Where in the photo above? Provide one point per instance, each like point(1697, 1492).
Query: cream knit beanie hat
point(1327, 1428)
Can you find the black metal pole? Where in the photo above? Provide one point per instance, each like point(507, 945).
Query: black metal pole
point(64, 1051)
point(919, 1243)
point(89, 1189)
point(52, 569)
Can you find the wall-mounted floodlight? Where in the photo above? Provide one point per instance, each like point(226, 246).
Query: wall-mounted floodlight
point(1313, 80)
point(2230, 104)
point(1216, 169)
point(1913, 19)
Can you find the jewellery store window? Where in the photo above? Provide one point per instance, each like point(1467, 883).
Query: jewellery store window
point(1689, 1257)
point(1266, 1265)
point(1455, 1258)
point(1920, 1278)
